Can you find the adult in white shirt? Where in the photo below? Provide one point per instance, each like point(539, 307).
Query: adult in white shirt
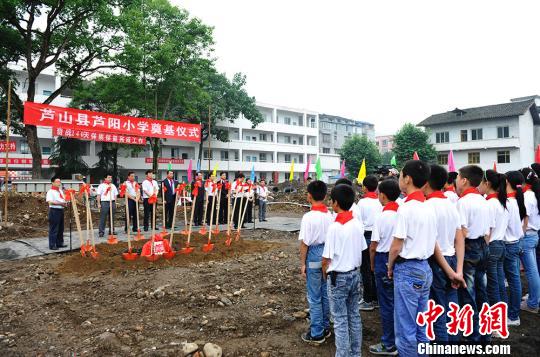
point(56, 200)
point(133, 195)
point(263, 195)
point(150, 189)
point(106, 196)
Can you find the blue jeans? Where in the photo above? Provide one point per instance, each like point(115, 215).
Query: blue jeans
point(528, 259)
point(474, 272)
point(317, 294)
point(412, 280)
point(495, 272)
point(443, 294)
point(385, 295)
point(262, 209)
point(511, 271)
point(344, 297)
point(368, 278)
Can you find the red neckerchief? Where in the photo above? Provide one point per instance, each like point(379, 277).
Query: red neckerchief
point(416, 195)
point(511, 195)
point(435, 194)
point(371, 195)
point(470, 190)
point(526, 188)
point(54, 188)
point(391, 206)
point(450, 188)
point(344, 217)
point(319, 208)
point(492, 195)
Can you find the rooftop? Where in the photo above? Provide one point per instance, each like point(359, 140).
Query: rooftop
point(335, 118)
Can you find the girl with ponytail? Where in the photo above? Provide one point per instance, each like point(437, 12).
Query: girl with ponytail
point(494, 187)
point(529, 242)
point(516, 213)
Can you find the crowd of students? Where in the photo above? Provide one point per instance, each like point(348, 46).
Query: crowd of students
point(455, 238)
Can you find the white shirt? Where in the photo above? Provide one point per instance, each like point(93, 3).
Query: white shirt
point(531, 205)
point(417, 226)
point(107, 194)
point(452, 196)
point(237, 189)
point(208, 186)
point(262, 192)
point(498, 219)
point(514, 230)
point(383, 230)
point(400, 200)
point(150, 187)
point(130, 188)
point(344, 245)
point(314, 227)
point(55, 196)
point(368, 209)
point(474, 215)
point(447, 223)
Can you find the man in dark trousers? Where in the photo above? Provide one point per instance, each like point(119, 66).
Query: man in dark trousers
point(150, 189)
point(57, 203)
point(170, 197)
point(199, 204)
point(133, 194)
point(223, 202)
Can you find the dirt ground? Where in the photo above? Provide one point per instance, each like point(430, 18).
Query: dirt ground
point(249, 299)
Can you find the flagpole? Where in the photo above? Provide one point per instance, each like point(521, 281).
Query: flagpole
point(209, 139)
point(8, 123)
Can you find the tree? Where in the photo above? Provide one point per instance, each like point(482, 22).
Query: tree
point(75, 37)
point(357, 148)
point(410, 139)
point(67, 156)
point(386, 157)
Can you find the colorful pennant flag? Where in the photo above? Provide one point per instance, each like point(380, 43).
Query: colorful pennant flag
point(306, 173)
point(342, 169)
point(318, 168)
point(169, 167)
point(415, 156)
point(189, 171)
point(537, 155)
point(451, 164)
point(252, 176)
point(495, 166)
point(393, 161)
point(291, 174)
point(214, 173)
point(362, 172)
point(198, 165)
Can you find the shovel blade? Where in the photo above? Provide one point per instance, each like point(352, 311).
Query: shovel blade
point(208, 247)
point(186, 250)
point(112, 239)
point(203, 231)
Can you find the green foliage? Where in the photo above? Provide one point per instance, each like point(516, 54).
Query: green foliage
point(386, 157)
point(357, 148)
point(410, 139)
point(67, 156)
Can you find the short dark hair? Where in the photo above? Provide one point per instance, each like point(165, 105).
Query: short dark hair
point(473, 173)
point(536, 168)
point(240, 175)
point(452, 176)
point(418, 171)
point(149, 172)
point(54, 178)
point(262, 180)
point(343, 181)
point(343, 195)
point(437, 177)
point(170, 171)
point(199, 172)
point(370, 182)
point(390, 187)
point(222, 173)
point(130, 173)
point(107, 175)
point(317, 189)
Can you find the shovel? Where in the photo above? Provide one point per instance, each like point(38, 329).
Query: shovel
point(164, 220)
point(172, 253)
point(209, 246)
point(90, 228)
point(184, 198)
point(218, 197)
point(112, 239)
point(230, 213)
point(187, 249)
point(85, 189)
point(129, 255)
point(153, 257)
point(70, 196)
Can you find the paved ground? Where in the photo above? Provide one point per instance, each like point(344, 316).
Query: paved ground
point(31, 247)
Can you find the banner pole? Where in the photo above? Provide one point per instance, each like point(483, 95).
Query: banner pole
point(209, 141)
point(8, 124)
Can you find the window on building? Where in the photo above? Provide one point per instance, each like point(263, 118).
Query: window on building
point(46, 150)
point(385, 143)
point(464, 135)
point(442, 159)
point(262, 137)
point(476, 134)
point(294, 142)
point(301, 159)
point(224, 155)
point(326, 138)
point(248, 138)
point(337, 151)
point(474, 158)
point(254, 159)
point(134, 154)
point(47, 92)
point(503, 132)
point(184, 155)
point(326, 150)
point(205, 154)
point(335, 137)
point(287, 120)
point(24, 147)
point(287, 157)
point(262, 157)
point(175, 152)
point(442, 137)
point(248, 158)
point(312, 123)
point(287, 139)
point(503, 157)
point(236, 156)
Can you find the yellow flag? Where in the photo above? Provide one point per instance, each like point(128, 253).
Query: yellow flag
point(214, 173)
point(291, 174)
point(362, 172)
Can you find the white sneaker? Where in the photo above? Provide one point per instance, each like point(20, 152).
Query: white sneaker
point(513, 322)
point(525, 297)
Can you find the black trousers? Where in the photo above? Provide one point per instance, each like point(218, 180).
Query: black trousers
point(249, 213)
point(223, 210)
point(132, 211)
point(147, 213)
point(209, 211)
point(56, 227)
point(169, 210)
point(238, 211)
point(199, 212)
point(368, 278)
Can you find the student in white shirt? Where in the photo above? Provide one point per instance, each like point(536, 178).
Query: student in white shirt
point(367, 210)
point(474, 216)
point(150, 190)
point(530, 240)
point(238, 189)
point(133, 195)
point(56, 200)
point(381, 239)
point(451, 244)
point(450, 188)
point(106, 195)
point(210, 187)
point(342, 256)
point(413, 243)
point(313, 229)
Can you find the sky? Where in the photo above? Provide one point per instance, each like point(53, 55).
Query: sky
point(385, 62)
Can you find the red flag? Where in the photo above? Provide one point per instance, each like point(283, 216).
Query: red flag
point(537, 155)
point(415, 156)
point(495, 166)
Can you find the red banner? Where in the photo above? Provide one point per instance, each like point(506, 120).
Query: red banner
point(90, 135)
point(75, 119)
point(12, 146)
point(163, 160)
point(23, 161)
